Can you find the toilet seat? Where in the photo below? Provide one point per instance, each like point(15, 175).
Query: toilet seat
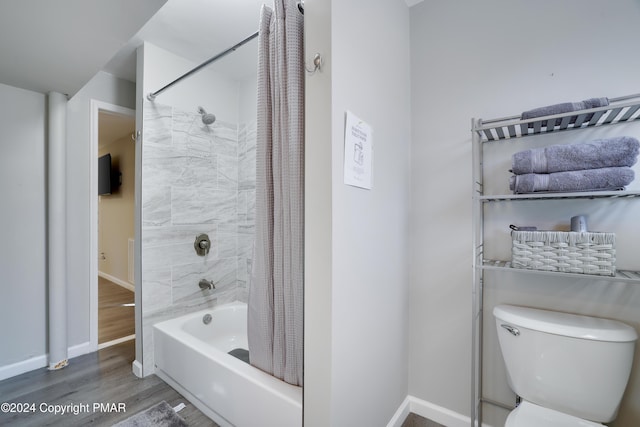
point(528, 414)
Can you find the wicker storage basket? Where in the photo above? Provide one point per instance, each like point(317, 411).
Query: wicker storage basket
point(568, 252)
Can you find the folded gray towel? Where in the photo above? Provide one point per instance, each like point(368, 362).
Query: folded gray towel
point(570, 181)
point(565, 107)
point(599, 153)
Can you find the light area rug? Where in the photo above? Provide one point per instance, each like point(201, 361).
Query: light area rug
point(160, 415)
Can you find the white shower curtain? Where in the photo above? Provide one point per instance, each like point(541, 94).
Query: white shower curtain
point(275, 315)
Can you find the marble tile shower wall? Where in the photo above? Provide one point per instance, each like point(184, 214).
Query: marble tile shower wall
point(246, 204)
point(195, 179)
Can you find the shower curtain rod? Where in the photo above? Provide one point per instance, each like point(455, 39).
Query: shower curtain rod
point(152, 96)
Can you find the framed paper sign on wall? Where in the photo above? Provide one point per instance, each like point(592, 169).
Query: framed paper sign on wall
point(358, 152)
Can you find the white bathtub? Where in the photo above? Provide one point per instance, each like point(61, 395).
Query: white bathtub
point(192, 358)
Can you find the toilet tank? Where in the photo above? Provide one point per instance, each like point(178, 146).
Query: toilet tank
point(574, 364)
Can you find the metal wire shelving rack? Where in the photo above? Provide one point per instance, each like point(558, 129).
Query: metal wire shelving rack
point(621, 110)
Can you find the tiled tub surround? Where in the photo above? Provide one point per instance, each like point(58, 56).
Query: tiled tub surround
point(195, 179)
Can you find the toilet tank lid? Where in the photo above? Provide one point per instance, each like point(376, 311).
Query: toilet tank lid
point(565, 324)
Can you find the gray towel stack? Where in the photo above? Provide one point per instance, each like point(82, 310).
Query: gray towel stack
point(599, 165)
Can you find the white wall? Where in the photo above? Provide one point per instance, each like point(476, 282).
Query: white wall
point(368, 303)
point(106, 88)
point(370, 228)
point(23, 259)
point(318, 220)
point(494, 59)
point(207, 88)
point(248, 90)
point(23, 299)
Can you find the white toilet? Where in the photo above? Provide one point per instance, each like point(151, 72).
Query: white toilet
point(569, 370)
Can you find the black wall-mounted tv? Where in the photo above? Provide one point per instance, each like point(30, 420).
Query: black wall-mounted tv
point(108, 178)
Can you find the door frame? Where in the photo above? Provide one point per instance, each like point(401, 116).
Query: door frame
point(96, 108)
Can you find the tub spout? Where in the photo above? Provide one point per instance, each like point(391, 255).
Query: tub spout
point(206, 284)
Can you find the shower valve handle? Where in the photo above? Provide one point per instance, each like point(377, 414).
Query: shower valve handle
point(202, 244)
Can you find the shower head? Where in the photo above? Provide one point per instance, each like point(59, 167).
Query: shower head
point(207, 118)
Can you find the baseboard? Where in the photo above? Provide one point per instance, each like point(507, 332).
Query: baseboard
point(431, 411)
point(80, 349)
point(21, 367)
point(136, 368)
point(117, 281)
point(38, 362)
point(401, 414)
point(437, 413)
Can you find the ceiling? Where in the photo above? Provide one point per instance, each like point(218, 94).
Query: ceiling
point(198, 30)
point(60, 45)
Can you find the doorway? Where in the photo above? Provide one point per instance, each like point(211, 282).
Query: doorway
point(112, 223)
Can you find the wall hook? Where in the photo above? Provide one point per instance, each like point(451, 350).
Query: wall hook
point(317, 64)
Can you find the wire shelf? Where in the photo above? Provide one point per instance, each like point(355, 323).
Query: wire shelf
point(620, 276)
point(514, 127)
point(558, 196)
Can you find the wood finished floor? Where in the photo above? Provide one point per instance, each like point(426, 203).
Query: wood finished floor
point(101, 377)
point(414, 420)
point(115, 317)
point(105, 377)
